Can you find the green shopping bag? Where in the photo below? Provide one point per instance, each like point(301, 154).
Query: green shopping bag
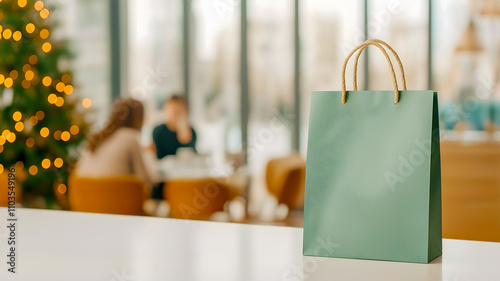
point(373, 178)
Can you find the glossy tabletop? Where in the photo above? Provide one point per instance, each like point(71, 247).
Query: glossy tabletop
point(60, 245)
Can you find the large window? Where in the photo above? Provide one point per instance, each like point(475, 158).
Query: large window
point(215, 75)
point(329, 30)
point(155, 54)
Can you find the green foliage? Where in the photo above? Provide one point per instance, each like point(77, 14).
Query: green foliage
point(30, 97)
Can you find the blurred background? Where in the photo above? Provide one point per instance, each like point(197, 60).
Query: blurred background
point(247, 69)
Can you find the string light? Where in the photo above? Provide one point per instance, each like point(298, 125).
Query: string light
point(65, 136)
point(17, 36)
point(33, 120)
point(1, 168)
point(38, 5)
point(29, 75)
point(30, 142)
point(30, 28)
point(14, 74)
point(61, 188)
point(52, 98)
point(58, 162)
point(33, 170)
point(5, 133)
point(19, 165)
point(68, 89)
point(7, 33)
point(60, 87)
point(44, 13)
point(1, 148)
point(86, 102)
point(57, 135)
point(59, 102)
point(11, 137)
point(19, 126)
point(44, 132)
point(22, 3)
point(2, 78)
point(33, 59)
point(40, 115)
point(17, 116)
point(45, 163)
point(66, 78)
point(2, 140)
point(8, 82)
point(44, 33)
point(46, 81)
point(46, 47)
point(74, 130)
point(26, 84)
point(26, 67)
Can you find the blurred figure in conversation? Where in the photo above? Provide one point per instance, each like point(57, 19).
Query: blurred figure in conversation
point(115, 150)
point(176, 131)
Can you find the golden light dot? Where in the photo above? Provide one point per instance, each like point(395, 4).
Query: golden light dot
point(30, 28)
point(29, 75)
point(61, 188)
point(74, 130)
point(17, 116)
point(7, 33)
point(19, 126)
point(33, 59)
point(26, 67)
point(8, 82)
point(2, 78)
point(40, 115)
point(44, 33)
point(2, 140)
point(44, 13)
point(52, 98)
point(46, 47)
point(1, 168)
point(5, 133)
point(86, 102)
point(60, 87)
point(45, 163)
point(68, 89)
point(66, 78)
point(38, 5)
point(59, 102)
point(58, 162)
point(22, 3)
point(11, 137)
point(26, 84)
point(57, 135)
point(33, 120)
point(46, 81)
point(19, 165)
point(30, 142)
point(44, 132)
point(33, 170)
point(14, 74)
point(1, 148)
point(17, 35)
point(65, 136)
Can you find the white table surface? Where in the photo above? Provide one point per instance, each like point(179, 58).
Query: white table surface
point(60, 245)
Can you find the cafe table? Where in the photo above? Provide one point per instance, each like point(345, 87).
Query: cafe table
point(70, 246)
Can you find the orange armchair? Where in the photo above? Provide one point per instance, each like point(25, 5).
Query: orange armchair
point(195, 198)
point(285, 179)
point(111, 195)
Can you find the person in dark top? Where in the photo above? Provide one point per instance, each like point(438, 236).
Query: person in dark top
point(173, 134)
point(176, 131)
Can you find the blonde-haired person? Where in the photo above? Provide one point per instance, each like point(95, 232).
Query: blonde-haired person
point(115, 150)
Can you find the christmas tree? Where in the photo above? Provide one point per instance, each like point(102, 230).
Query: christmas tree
point(40, 122)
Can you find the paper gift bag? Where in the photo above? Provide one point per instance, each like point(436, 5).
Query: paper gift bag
point(373, 179)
